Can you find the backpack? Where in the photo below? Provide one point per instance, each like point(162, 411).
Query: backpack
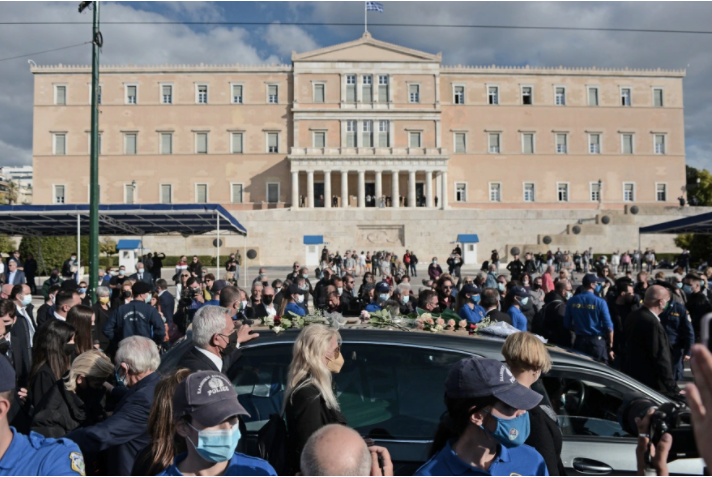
point(272, 444)
point(539, 321)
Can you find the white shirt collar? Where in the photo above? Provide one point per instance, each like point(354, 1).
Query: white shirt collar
point(59, 317)
point(215, 359)
point(161, 292)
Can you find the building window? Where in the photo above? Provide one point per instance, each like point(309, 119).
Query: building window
point(658, 97)
point(351, 133)
point(59, 197)
point(201, 193)
point(60, 95)
point(594, 143)
point(131, 94)
point(319, 139)
point(201, 143)
point(383, 88)
point(272, 97)
point(561, 146)
point(560, 96)
point(526, 95)
point(528, 192)
point(592, 96)
point(367, 136)
point(460, 191)
point(414, 139)
point(351, 88)
point(383, 134)
point(129, 194)
point(166, 194)
point(272, 142)
point(414, 93)
point(659, 144)
point(627, 143)
point(236, 143)
point(625, 96)
point(201, 92)
point(130, 146)
point(367, 88)
point(493, 94)
point(562, 192)
point(595, 192)
point(460, 143)
point(528, 143)
point(661, 192)
point(236, 191)
point(318, 93)
point(166, 143)
point(60, 144)
point(494, 143)
point(459, 95)
point(628, 192)
point(166, 94)
point(237, 94)
point(495, 192)
point(273, 192)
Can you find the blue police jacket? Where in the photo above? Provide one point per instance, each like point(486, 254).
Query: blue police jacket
point(125, 433)
point(294, 308)
point(518, 319)
point(38, 455)
point(472, 315)
point(678, 325)
point(373, 306)
point(588, 315)
point(240, 464)
point(520, 460)
point(135, 318)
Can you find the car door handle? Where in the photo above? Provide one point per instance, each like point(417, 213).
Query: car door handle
point(588, 466)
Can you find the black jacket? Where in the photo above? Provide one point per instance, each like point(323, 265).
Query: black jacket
point(135, 318)
point(545, 436)
point(647, 357)
point(40, 384)
point(554, 330)
point(168, 306)
point(43, 315)
point(197, 361)
point(350, 304)
point(515, 267)
point(62, 411)
point(67, 269)
point(21, 350)
point(101, 316)
point(495, 315)
point(260, 311)
point(698, 305)
point(306, 413)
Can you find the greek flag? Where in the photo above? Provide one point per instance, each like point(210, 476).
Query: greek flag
point(374, 6)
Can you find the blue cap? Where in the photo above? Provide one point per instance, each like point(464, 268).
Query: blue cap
point(479, 377)
point(591, 278)
point(470, 288)
point(7, 375)
point(383, 287)
point(518, 291)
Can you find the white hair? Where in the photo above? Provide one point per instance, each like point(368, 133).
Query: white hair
point(102, 291)
point(208, 321)
point(139, 353)
point(404, 288)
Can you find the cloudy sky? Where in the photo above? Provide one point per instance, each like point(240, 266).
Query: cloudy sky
point(148, 44)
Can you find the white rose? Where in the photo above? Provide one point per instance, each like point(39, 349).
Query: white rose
point(277, 329)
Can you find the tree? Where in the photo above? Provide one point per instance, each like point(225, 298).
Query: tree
point(13, 191)
point(6, 244)
point(107, 247)
point(55, 250)
point(699, 245)
point(703, 190)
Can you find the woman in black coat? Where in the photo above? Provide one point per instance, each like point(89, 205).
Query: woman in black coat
point(310, 402)
point(51, 357)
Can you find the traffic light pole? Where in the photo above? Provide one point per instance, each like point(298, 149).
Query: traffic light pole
point(94, 164)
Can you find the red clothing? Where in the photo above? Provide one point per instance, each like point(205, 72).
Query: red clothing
point(547, 283)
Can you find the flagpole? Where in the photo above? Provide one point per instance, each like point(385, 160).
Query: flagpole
point(365, 17)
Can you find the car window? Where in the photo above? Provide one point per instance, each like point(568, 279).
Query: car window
point(587, 404)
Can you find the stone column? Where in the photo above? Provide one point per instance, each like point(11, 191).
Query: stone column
point(395, 202)
point(327, 189)
point(438, 134)
point(443, 199)
point(361, 189)
point(411, 188)
point(379, 188)
point(310, 189)
point(295, 189)
point(344, 189)
point(438, 190)
point(429, 189)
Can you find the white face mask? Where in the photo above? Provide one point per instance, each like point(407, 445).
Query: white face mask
point(300, 298)
point(340, 290)
point(277, 290)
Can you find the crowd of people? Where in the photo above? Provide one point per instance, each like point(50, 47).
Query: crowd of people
point(81, 392)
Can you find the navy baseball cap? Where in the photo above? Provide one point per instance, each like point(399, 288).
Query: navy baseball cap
point(591, 278)
point(218, 285)
point(518, 291)
point(295, 290)
point(479, 377)
point(383, 287)
point(208, 397)
point(471, 289)
point(7, 376)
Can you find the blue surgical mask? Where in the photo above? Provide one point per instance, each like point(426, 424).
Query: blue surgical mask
point(300, 298)
point(569, 295)
point(525, 300)
point(687, 289)
point(475, 299)
point(26, 300)
point(305, 275)
point(500, 287)
point(383, 297)
point(217, 446)
point(510, 432)
point(148, 298)
point(598, 287)
point(82, 290)
point(406, 298)
point(678, 284)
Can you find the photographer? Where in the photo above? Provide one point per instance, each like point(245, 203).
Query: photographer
point(191, 299)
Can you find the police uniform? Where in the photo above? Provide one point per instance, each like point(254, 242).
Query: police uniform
point(519, 321)
point(294, 308)
point(473, 316)
point(678, 325)
point(240, 464)
point(588, 315)
point(38, 455)
point(373, 306)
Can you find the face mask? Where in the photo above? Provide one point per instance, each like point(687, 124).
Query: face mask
point(524, 301)
point(667, 306)
point(267, 300)
point(300, 298)
point(500, 287)
point(68, 348)
point(148, 298)
point(526, 282)
point(26, 300)
point(74, 259)
point(113, 273)
point(435, 262)
point(335, 365)
point(139, 271)
point(475, 299)
point(82, 290)
point(126, 293)
point(231, 344)
point(406, 298)
point(90, 395)
point(687, 289)
point(678, 285)
point(305, 275)
point(104, 299)
point(569, 295)
point(217, 446)
point(340, 290)
point(121, 272)
point(55, 276)
point(244, 304)
point(510, 432)
point(598, 287)
point(383, 297)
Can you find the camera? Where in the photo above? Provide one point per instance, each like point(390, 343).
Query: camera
point(671, 417)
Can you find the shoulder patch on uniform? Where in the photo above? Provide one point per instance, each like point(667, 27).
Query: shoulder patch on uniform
point(77, 460)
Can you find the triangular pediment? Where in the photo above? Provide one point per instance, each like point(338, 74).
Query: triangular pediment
point(369, 49)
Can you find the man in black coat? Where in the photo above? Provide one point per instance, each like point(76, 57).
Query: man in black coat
point(647, 346)
point(20, 351)
point(697, 303)
point(69, 264)
point(30, 269)
point(166, 300)
point(554, 311)
point(142, 275)
point(136, 318)
point(622, 301)
point(321, 287)
point(489, 301)
point(515, 267)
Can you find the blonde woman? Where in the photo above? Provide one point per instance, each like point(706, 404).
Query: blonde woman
point(528, 359)
point(74, 401)
point(309, 400)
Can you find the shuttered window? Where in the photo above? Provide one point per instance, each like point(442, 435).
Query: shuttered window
point(495, 192)
point(167, 94)
point(414, 93)
point(202, 94)
point(131, 144)
point(351, 89)
point(625, 96)
point(414, 139)
point(131, 94)
point(318, 93)
point(628, 192)
point(661, 192)
point(459, 95)
point(529, 192)
point(383, 132)
point(561, 143)
point(201, 193)
point(59, 194)
point(367, 135)
point(319, 139)
point(460, 143)
point(273, 142)
point(658, 97)
point(166, 193)
point(528, 143)
point(367, 89)
point(237, 143)
point(595, 192)
point(273, 192)
point(61, 95)
point(201, 146)
point(659, 144)
point(594, 143)
point(60, 144)
point(383, 89)
point(129, 194)
point(166, 143)
point(237, 93)
point(351, 133)
point(627, 144)
point(593, 96)
point(563, 192)
point(272, 94)
point(237, 193)
point(494, 143)
point(560, 96)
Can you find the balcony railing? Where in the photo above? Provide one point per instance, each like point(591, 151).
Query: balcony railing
point(368, 151)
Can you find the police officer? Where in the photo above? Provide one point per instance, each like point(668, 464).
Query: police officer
point(382, 294)
point(516, 267)
point(32, 454)
point(469, 301)
point(136, 318)
point(587, 314)
point(697, 303)
point(678, 326)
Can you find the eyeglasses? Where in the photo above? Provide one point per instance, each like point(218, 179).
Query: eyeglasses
point(447, 288)
point(185, 276)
